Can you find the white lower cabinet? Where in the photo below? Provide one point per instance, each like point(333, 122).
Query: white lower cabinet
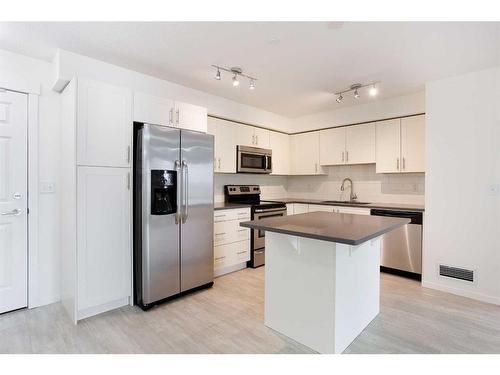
point(103, 239)
point(302, 208)
point(231, 242)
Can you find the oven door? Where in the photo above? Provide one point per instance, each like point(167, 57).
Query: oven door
point(259, 236)
point(253, 160)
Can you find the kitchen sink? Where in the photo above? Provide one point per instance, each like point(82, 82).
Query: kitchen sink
point(346, 202)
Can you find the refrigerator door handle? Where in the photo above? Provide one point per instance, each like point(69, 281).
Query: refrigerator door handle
point(185, 187)
point(178, 211)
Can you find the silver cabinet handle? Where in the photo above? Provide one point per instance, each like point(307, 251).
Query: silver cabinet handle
point(256, 139)
point(128, 181)
point(346, 156)
point(404, 164)
point(219, 164)
point(220, 234)
point(241, 252)
point(242, 230)
point(128, 154)
point(219, 258)
point(397, 164)
point(316, 167)
point(170, 116)
point(14, 212)
point(253, 139)
point(179, 192)
point(342, 156)
point(177, 115)
point(185, 193)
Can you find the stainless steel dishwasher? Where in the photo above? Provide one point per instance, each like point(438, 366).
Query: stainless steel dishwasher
point(401, 249)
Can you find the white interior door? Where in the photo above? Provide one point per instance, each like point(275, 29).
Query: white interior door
point(13, 202)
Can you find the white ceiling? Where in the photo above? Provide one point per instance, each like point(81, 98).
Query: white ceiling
point(298, 64)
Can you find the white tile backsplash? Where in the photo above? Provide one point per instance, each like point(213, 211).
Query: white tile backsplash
point(368, 185)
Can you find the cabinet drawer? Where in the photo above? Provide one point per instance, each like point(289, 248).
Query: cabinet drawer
point(222, 255)
point(241, 214)
point(242, 251)
point(229, 231)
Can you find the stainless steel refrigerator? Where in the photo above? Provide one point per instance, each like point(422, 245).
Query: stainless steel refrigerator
point(173, 212)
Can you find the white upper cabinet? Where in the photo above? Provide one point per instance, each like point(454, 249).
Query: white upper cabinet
point(332, 146)
point(190, 117)
point(104, 126)
point(413, 144)
point(162, 111)
point(388, 146)
point(252, 136)
point(225, 134)
point(153, 109)
point(280, 145)
point(304, 149)
point(348, 145)
point(360, 144)
point(262, 137)
point(400, 145)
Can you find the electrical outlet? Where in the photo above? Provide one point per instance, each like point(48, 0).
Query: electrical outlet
point(47, 187)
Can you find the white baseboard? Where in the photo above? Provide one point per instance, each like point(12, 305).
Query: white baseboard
point(95, 310)
point(461, 292)
point(225, 270)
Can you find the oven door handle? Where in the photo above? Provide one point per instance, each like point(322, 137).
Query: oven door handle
point(270, 210)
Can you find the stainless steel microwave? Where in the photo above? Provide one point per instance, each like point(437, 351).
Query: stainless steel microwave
point(253, 160)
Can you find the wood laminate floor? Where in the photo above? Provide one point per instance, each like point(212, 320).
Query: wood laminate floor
point(228, 318)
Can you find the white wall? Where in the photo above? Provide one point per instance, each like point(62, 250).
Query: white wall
point(37, 72)
point(68, 64)
point(462, 224)
point(376, 110)
point(369, 186)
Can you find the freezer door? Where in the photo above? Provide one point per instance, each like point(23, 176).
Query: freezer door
point(197, 258)
point(160, 198)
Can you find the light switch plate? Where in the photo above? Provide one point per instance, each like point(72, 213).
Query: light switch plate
point(494, 189)
point(47, 187)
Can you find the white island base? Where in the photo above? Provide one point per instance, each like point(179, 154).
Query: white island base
point(321, 294)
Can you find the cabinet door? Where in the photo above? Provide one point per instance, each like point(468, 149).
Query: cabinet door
point(190, 117)
point(280, 145)
point(300, 208)
point(388, 146)
point(360, 144)
point(245, 135)
point(320, 207)
point(104, 237)
point(212, 129)
point(261, 137)
point(332, 146)
point(305, 154)
point(289, 209)
point(153, 109)
point(353, 210)
point(413, 144)
point(104, 129)
point(225, 146)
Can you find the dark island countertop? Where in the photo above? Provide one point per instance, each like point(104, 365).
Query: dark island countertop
point(328, 226)
point(391, 206)
point(228, 206)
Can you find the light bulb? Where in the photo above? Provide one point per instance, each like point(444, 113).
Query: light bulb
point(252, 84)
point(373, 90)
point(356, 94)
point(339, 98)
point(236, 83)
point(217, 75)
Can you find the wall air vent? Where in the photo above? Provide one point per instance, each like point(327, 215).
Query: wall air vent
point(456, 273)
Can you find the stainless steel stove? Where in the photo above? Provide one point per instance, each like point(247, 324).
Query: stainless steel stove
point(250, 194)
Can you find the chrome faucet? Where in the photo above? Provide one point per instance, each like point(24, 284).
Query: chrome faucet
point(352, 196)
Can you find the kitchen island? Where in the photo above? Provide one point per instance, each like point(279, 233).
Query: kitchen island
point(322, 277)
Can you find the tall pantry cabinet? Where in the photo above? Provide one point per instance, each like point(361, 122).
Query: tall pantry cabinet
point(96, 195)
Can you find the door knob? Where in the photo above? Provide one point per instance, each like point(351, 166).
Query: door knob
point(14, 212)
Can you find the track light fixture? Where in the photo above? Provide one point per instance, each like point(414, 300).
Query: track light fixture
point(236, 72)
point(355, 88)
